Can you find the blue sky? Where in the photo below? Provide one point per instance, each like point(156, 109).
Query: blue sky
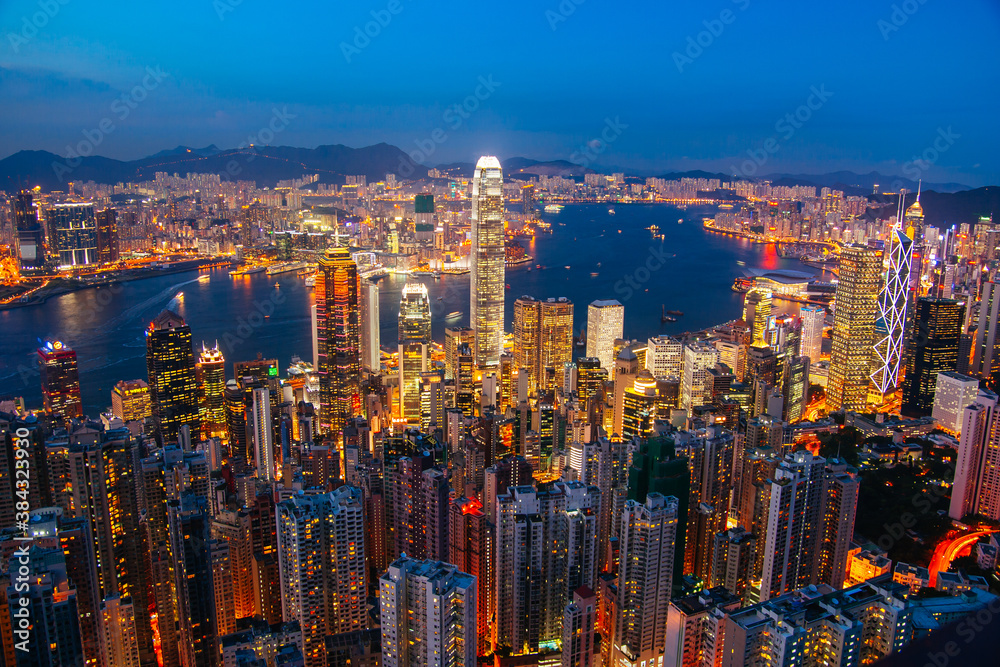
point(560, 71)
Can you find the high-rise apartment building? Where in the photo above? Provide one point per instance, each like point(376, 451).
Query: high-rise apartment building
point(371, 339)
point(60, 375)
point(854, 327)
point(953, 392)
point(645, 578)
point(665, 357)
point(322, 571)
point(986, 348)
point(977, 474)
point(171, 374)
point(72, 231)
point(605, 325)
point(338, 339)
point(487, 259)
point(428, 614)
point(414, 348)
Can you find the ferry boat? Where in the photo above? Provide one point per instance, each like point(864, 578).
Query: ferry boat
point(594, 274)
point(454, 315)
point(611, 211)
point(554, 208)
point(742, 284)
point(247, 271)
point(311, 280)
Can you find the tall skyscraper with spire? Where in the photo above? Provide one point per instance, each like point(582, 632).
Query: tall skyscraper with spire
point(892, 312)
point(488, 261)
point(414, 346)
point(338, 339)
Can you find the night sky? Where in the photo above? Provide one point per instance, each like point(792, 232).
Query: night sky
point(557, 76)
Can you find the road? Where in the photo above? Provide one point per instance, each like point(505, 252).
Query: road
point(949, 550)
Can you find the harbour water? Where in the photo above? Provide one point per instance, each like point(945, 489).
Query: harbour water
point(688, 270)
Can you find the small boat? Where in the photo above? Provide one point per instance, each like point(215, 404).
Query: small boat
point(611, 211)
point(529, 269)
point(454, 315)
point(440, 298)
point(204, 279)
point(277, 285)
point(566, 267)
point(594, 274)
point(180, 296)
point(740, 262)
point(507, 285)
point(680, 220)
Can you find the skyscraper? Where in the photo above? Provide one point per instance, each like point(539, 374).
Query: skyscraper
point(648, 538)
point(321, 556)
point(60, 380)
point(986, 351)
point(756, 312)
point(813, 318)
point(130, 400)
point(953, 392)
point(892, 316)
point(107, 236)
point(428, 614)
point(73, 233)
point(454, 338)
point(977, 474)
point(371, 339)
point(414, 346)
point(210, 370)
point(543, 340)
point(30, 235)
point(171, 375)
point(933, 349)
point(487, 261)
point(605, 324)
point(854, 327)
point(338, 339)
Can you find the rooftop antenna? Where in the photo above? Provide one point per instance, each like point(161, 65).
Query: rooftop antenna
point(919, 182)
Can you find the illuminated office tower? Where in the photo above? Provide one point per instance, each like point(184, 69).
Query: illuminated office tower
point(171, 375)
point(30, 234)
point(579, 621)
point(264, 372)
point(639, 406)
point(933, 350)
point(796, 389)
point(119, 640)
point(543, 340)
point(414, 345)
point(130, 401)
point(665, 357)
point(914, 220)
point(260, 433)
point(890, 325)
point(854, 327)
point(589, 381)
point(508, 383)
point(428, 614)
point(986, 351)
point(472, 549)
point(107, 236)
point(696, 382)
point(756, 313)
point(236, 419)
point(813, 318)
point(487, 262)
point(60, 380)
point(625, 371)
point(977, 475)
point(605, 325)
point(465, 381)
point(338, 339)
point(210, 369)
point(72, 233)
point(546, 548)
point(371, 337)
point(454, 338)
point(953, 392)
point(321, 556)
point(648, 537)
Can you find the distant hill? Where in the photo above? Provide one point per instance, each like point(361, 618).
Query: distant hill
point(944, 209)
point(862, 184)
point(522, 168)
point(264, 164)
